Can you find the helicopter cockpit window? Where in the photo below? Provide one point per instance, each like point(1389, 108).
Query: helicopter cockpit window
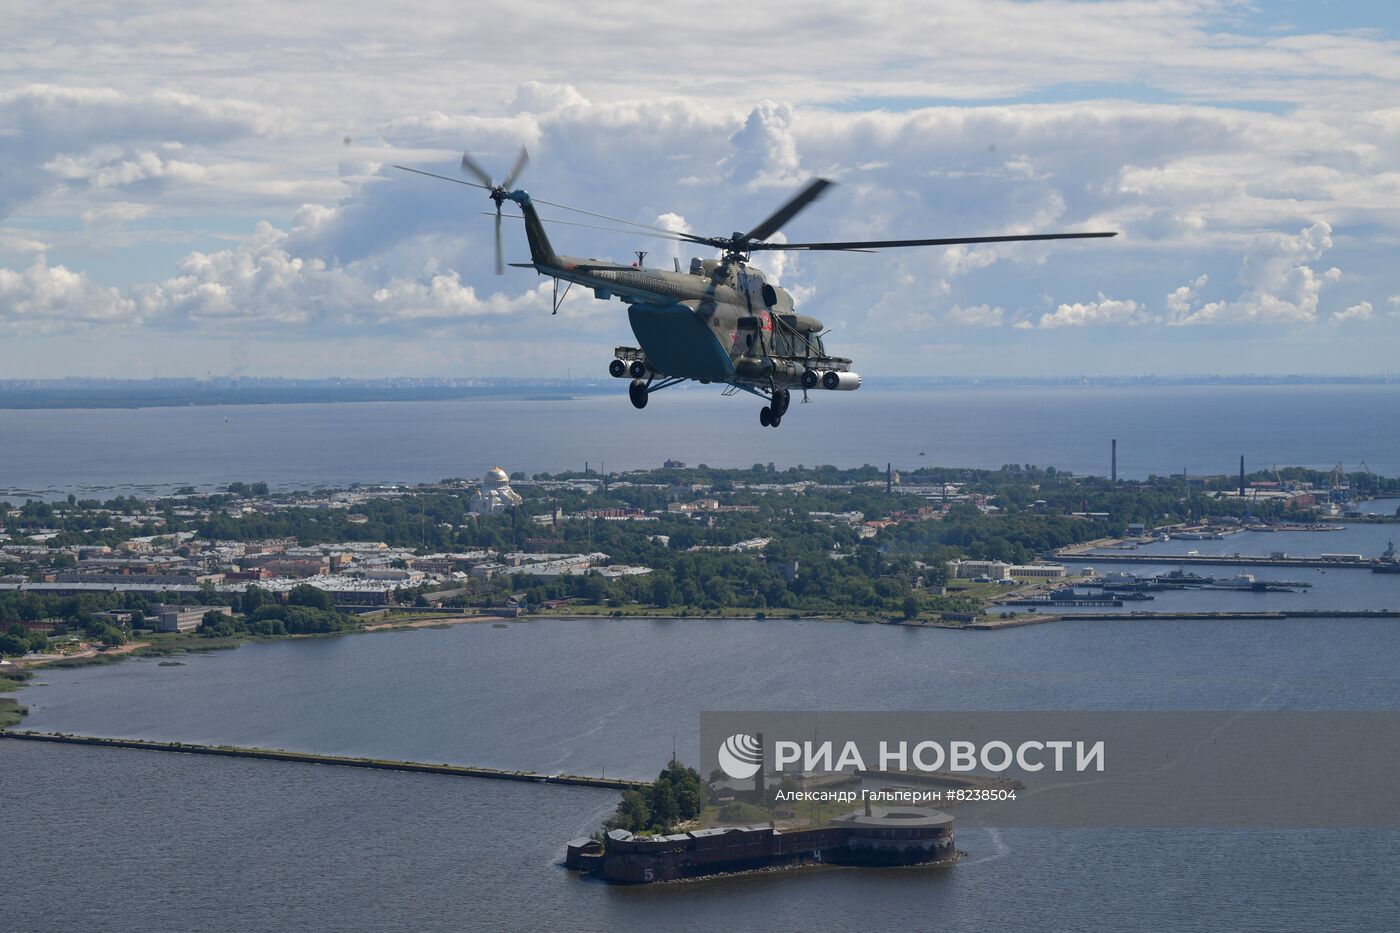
point(770, 296)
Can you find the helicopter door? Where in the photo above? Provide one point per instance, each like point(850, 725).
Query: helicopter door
point(746, 330)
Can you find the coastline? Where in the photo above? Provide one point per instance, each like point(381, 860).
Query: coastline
point(167, 649)
point(424, 623)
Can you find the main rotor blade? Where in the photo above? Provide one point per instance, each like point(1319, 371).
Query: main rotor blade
point(673, 237)
point(500, 250)
point(789, 210)
point(470, 166)
point(680, 235)
point(691, 237)
point(455, 181)
point(944, 241)
point(521, 161)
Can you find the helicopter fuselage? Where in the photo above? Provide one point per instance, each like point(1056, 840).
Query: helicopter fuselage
point(719, 322)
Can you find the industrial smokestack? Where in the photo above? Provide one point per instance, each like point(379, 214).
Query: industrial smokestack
point(1241, 476)
point(1114, 466)
point(760, 785)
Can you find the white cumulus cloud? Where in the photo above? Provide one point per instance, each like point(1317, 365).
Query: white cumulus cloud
point(1282, 286)
point(1361, 311)
point(974, 316)
point(45, 299)
point(1105, 311)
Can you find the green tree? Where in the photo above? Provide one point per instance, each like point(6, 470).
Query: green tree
point(595, 587)
point(663, 590)
point(252, 600)
point(304, 594)
point(665, 811)
point(216, 623)
point(687, 789)
point(633, 813)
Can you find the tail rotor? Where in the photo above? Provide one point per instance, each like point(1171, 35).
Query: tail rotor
point(521, 161)
point(500, 250)
point(498, 192)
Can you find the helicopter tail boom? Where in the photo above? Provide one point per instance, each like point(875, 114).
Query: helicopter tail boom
point(541, 252)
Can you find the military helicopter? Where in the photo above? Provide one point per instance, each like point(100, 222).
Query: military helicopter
point(718, 322)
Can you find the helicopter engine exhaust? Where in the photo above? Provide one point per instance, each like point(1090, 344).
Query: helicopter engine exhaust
point(618, 369)
point(847, 382)
point(782, 372)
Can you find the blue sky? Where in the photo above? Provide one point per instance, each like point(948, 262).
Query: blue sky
point(206, 190)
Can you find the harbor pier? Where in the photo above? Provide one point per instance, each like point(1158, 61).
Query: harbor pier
point(380, 764)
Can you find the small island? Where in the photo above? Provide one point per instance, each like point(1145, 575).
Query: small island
point(681, 827)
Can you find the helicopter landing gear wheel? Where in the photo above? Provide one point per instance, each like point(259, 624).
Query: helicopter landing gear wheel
point(765, 416)
point(782, 398)
point(776, 420)
point(637, 391)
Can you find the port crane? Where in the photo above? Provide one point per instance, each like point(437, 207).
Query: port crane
point(1338, 490)
point(720, 321)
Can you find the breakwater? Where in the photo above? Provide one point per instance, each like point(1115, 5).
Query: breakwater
point(1012, 621)
point(1244, 614)
point(381, 764)
point(1080, 556)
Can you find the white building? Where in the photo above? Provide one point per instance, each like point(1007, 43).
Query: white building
point(1042, 571)
point(495, 496)
point(180, 618)
point(1000, 570)
point(969, 569)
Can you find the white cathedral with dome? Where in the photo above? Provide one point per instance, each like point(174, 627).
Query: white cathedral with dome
point(495, 496)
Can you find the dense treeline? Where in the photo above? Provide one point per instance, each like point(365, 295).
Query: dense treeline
point(75, 610)
point(307, 611)
point(1016, 537)
point(676, 796)
point(866, 581)
point(17, 641)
